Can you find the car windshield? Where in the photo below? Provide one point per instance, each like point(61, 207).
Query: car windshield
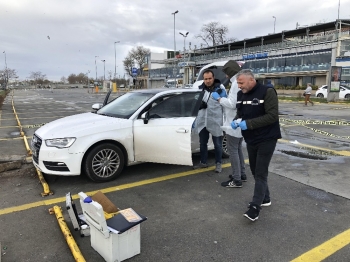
point(125, 105)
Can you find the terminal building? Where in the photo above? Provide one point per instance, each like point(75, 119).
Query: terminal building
point(289, 58)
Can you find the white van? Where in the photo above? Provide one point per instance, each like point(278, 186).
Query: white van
point(216, 67)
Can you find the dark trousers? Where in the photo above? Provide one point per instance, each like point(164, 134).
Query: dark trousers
point(203, 145)
point(259, 160)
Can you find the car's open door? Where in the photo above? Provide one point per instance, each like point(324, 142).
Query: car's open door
point(163, 135)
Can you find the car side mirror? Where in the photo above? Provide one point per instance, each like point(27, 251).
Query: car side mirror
point(96, 107)
point(145, 117)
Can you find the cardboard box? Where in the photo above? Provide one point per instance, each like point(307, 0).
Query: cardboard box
point(111, 244)
point(104, 201)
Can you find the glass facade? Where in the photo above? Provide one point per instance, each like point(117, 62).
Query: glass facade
point(320, 61)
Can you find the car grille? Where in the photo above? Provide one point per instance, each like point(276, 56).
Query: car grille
point(35, 145)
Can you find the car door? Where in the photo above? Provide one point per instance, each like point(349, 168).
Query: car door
point(165, 135)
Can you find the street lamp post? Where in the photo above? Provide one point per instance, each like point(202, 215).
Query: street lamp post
point(184, 35)
point(104, 69)
point(274, 24)
point(174, 70)
point(6, 73)
point(115, 60)
point(96, 68)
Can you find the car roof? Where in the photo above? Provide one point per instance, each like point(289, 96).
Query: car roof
point(164, 90)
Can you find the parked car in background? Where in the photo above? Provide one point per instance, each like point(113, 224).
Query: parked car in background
point(148, 125)
point(343, 94)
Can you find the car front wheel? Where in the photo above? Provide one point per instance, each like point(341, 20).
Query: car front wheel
point(347, 96)
point(104, 162)
point(320, 95)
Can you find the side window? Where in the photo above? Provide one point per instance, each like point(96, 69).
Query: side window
point(182, 105)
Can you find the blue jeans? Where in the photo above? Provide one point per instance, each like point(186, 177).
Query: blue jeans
point(203, 142)
point(234, 148)
point(259, 160)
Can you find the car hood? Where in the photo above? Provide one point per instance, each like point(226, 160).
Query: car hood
point(80, 125)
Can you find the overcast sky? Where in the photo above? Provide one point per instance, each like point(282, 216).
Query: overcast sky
point(61, 37)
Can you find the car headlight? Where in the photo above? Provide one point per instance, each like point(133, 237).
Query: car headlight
point(60, 142)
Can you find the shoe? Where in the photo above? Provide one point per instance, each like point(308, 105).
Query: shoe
point(243, 178)
point(252, 214)
point(218, 168)
point(232, 183)
point(266, 203)
point(200, 165)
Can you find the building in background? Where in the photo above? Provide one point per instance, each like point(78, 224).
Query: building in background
point(289, 58)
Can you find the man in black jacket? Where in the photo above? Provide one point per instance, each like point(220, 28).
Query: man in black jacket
point(257, 116)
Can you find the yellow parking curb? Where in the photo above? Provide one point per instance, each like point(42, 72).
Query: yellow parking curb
point(78, 256)
point(44, 184)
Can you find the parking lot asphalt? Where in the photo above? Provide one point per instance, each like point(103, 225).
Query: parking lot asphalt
point(190, 216)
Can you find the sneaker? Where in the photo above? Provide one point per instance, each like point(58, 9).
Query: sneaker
point(243, 178)
point(266, 203)
point(252, 214)
point(200, 165)
point(232, 183)
point(218, 168)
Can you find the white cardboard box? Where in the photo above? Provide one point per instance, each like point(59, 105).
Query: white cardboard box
point(113, 247)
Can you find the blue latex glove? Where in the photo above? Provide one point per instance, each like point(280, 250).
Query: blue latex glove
point(234, 124)
point(215, 95)
point(243, 125)
point(223, 93)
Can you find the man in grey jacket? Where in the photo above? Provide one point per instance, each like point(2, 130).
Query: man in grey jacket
point(234, 137)
point(209, 120)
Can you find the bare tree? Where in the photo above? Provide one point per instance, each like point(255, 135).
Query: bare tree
point(38, 77)
point(63, 80)
point(7, 74)
point(109, 75)
point(128, 63)
point(214, 33)
point(139, 55)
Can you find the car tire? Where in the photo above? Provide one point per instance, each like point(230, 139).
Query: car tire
point(347, 96)
point(104, 162)
point(225, 153)
point(320, 95)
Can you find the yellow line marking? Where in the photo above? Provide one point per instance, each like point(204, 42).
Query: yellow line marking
point(341, 152)
point(8, 126)
point(326, 249)
point(37, 117)
point(50, 202)
point(14, 138)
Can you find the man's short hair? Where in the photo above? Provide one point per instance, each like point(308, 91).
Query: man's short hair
point(246, 72)
point(208, 71)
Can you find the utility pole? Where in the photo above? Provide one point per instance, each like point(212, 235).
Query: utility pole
point(96, 68)
point(104, 69)
point(174, 69)
point(115, 60)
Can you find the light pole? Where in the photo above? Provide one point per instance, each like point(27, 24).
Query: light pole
point(104, 69)
point(96, 68)
point(274, 24)
point(115, 60)
point(184, 35)
point(87, 75)
point(6, 73)
point(174, 70)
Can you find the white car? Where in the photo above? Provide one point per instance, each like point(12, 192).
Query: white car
point(343, 94)
point(139, 126)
